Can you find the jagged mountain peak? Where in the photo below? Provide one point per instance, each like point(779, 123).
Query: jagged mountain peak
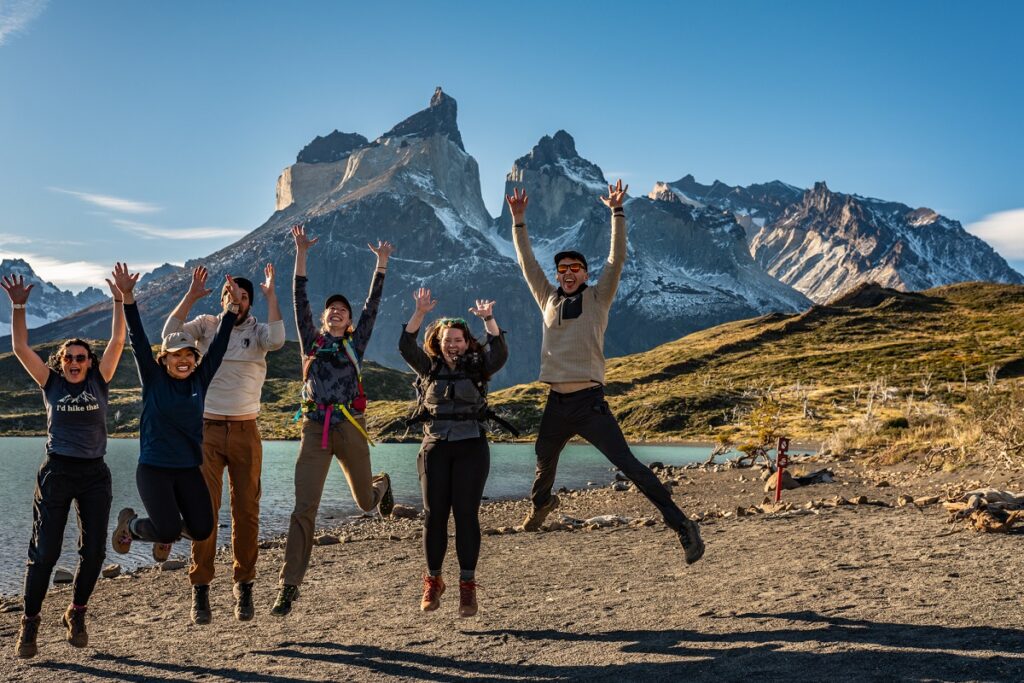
point(330, 148)
point(439, 118)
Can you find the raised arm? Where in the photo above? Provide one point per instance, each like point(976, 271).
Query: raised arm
point(271, 335)
point(303, 316)
point(497, 350)
point(536, 280)
point(144, 361)
point(215, 354)
point(112, 354)
point(364, 328)
point(612, 272)
point(196, 291)
point(15, 287)
point(407, 346)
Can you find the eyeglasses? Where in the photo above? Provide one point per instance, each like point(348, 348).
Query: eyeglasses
point(449, 322)
point(75, 358)
point(563, 267)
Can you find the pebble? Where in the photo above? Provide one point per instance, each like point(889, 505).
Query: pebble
point(111, 571)
point(62, 576)
point(326, 539)
point(171, 565)
point(405, 512)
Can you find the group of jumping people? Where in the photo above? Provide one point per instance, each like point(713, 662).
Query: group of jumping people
point(201, 400)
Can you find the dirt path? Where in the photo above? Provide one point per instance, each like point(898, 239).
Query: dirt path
point(859, 592)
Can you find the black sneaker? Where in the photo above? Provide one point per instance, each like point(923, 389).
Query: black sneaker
point(201, 613)
point(536, 516)
point(244, 609)
point(74, 621)
point(26, 646)
point(387, 499)
point(285, 596)
point(689, 538)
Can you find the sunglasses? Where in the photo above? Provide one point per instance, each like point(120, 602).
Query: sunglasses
point(76, 358)
point(562, 268)
point(448, 322)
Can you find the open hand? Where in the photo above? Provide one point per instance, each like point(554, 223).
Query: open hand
point(197, 289)
point(382, 250)
point(424, 304)
point(15, 287)
point(123, 280)
point(616, 195)
point(234, 291)
point(517, 202)
point(483, 308)
point(302, 242)
point(267, 286)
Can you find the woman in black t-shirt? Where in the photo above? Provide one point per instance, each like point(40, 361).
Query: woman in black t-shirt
point(75, 385)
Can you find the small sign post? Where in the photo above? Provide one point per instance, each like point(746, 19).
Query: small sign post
point(781, 460)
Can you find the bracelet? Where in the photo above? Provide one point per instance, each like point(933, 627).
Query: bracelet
point(519, 225)
point(489, 318)
point(118, 301)
point(18, 306)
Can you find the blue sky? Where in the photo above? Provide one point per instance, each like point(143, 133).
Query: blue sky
point(154, 132)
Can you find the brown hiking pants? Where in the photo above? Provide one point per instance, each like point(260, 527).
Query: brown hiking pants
point(345, 443)
point(237, 447)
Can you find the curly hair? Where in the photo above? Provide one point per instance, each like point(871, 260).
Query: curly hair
point(432, 337)
point(54, 362)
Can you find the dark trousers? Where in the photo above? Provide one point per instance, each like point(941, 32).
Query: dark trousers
point(586, 413)
point(62, 480)
point(176, 500)
point(452, 478)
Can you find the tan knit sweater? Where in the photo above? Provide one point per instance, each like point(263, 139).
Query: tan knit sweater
point(573, 350)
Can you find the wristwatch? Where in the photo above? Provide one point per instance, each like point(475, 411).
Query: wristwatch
point(488, 318)
point(234, 308)
point(18, 306)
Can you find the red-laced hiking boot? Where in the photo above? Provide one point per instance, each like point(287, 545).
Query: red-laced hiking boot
point(467, 599)
point(161, 551)
point(433, 589)
point(122, 538)
point(74, 621)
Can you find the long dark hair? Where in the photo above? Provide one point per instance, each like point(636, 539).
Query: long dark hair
point(432, 339)
point(54, 361)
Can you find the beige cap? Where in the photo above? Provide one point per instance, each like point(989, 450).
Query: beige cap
point(176, 341)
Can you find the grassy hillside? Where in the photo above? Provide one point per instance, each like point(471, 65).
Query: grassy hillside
point(874, 368)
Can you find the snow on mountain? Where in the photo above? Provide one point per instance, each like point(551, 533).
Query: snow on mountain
point(47, 302)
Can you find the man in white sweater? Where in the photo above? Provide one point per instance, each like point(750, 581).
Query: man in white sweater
point(231, 438)
point(572, 363)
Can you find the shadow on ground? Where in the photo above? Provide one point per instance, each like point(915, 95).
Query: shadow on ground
point(833, 648)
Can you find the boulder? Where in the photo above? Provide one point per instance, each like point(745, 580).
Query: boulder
point(111, 571)
point(405, 512)
point(171, 565)
point(788, 482)
point(326, 539)
point(62, 576)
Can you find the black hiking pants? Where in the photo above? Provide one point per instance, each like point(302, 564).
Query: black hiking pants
point(60, 482)
point(452, 478)
point(177, 501)
point(585, 413)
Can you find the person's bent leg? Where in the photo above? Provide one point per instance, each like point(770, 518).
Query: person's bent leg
point(92, 503)
point(354, 456)
point(470, 467)
point(245, 465)
point(311, 469)
point(156, 489)
point(602, 430)
point(193, 496)
point(50, 507)
point(555, 430)
point(215, 438)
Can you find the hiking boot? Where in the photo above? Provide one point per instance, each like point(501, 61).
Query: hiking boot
point(122, 539)
point(467, 598)
point(244, 609)
point(387, 499)
point(433, 588)
point(74, 622)
point(285, 596)
point(689, 538)
point(26, 646)
point(201, 613)
point(536, 517)
point(161, 551)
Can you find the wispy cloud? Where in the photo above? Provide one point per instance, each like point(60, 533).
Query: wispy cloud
point(1004, 231)
point(74, 275)
point(15, 15)
point(155, 232)
point(8, 238)
point(112, 203)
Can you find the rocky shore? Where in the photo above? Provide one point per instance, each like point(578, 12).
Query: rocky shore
point(864, 578)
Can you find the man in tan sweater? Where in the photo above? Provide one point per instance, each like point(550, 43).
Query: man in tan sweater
point(572, 363)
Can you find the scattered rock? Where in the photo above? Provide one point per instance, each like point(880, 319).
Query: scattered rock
point(788, 482)
point(926, 500)
point(604, 521)
point(326, 539)
point(171, 565)
point(489, 531)
point(904, 500)
point(111, 571)
point(620, 486)
point(657, 465)
point(62, 576)
point(860, 500)
point(405, 512)
point(882, 484)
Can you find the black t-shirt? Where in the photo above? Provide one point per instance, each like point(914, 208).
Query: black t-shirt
point(76, 415)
